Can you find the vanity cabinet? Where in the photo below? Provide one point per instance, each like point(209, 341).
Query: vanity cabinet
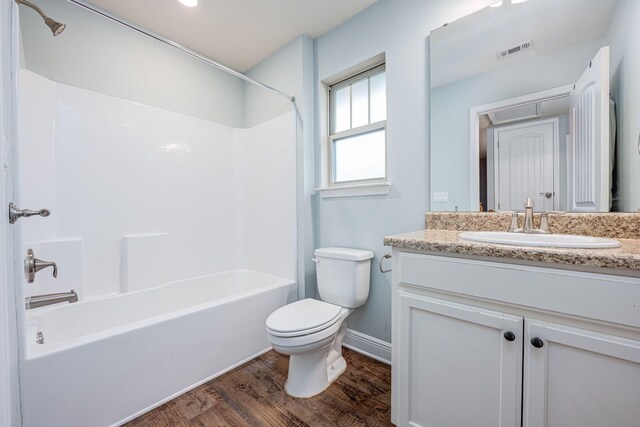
point(456, 366)
point(480, 343)
point(579, 377)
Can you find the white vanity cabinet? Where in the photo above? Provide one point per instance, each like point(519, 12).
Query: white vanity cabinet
point(580, 377)
point(479, 343)
point(456, 366)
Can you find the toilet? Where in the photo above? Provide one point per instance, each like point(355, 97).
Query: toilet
point(311, 331)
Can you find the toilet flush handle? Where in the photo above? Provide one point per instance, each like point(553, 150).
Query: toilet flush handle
point(316, 260)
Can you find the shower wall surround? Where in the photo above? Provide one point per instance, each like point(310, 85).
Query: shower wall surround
point(174, 196)
point(264, 183)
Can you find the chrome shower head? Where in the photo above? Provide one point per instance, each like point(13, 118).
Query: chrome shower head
point(55, 26)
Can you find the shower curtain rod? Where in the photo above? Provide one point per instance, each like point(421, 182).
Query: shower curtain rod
point(178, 46)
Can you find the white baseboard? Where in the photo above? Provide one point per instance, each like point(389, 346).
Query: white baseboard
point(368, 345)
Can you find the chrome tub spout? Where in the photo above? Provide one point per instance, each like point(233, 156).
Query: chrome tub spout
point(48, 299)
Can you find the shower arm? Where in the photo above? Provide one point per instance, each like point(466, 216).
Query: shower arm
point(55, 26)
point(32, 6)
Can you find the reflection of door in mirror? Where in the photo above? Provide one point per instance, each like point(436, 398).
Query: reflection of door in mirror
point(590, 153)
point(522, 148)
point(566, 171)
point(524, 164)
point(471, 76)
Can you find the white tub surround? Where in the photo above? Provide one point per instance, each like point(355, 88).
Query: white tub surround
point(118, 175)
point(144, 261)
point(106, 361)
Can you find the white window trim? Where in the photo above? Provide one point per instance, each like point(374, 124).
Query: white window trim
point(353, 190)
point(367, 187)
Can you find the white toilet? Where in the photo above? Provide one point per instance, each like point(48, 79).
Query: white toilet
point(311, 331)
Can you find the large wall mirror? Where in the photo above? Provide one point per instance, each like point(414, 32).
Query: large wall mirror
point(540, 99)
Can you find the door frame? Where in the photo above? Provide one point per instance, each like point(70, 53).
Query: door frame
point(556, 155)
point(10, 292)
point(474, 132)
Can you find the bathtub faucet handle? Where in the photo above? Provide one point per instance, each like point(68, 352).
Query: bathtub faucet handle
point(32, 265)
point(15, 213)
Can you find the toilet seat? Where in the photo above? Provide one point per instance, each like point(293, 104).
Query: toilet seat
point(304, 343)
point(303, 317)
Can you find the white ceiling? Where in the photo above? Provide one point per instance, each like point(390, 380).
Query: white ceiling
point(237, 33)
point(468, 46)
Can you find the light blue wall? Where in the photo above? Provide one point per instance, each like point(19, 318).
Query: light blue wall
point(290, 69)
point(450, 105)
point(623, 38)
point(97, 54)
point(284, 70)
point(398, 28)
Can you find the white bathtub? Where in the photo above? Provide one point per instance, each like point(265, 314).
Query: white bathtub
point(106, 361)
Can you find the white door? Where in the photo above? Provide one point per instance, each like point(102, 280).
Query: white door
point(525, 165)
point(457, 367)
point(589, 178)
point(579, 378)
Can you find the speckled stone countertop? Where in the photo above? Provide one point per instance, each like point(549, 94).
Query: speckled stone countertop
point(626, 257)
point(611, 225)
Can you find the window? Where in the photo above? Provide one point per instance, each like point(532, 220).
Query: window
point(357, 129)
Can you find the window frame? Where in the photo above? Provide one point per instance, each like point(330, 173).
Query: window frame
point(360, 130)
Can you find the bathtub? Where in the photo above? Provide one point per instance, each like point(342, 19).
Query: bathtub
point(106, 361)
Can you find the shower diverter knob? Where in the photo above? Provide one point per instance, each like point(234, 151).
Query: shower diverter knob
point(32, 265)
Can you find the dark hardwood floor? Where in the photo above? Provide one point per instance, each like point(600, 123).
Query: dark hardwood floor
point(253, 395)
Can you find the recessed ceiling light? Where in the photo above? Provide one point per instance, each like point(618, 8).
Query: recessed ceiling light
point(189, 3)
point(496, 4)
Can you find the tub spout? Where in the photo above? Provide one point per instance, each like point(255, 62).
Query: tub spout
point(48, 299)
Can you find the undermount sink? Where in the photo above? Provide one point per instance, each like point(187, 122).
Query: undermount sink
point(547, 240)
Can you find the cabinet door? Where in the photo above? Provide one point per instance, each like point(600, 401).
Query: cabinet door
point(456, 366)
point(575, 377)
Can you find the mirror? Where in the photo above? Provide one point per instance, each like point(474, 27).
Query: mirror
point(537, 98)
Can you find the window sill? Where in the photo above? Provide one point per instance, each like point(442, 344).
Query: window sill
point(355, 190)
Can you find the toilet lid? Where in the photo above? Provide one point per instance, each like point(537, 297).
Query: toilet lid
point(303, 317)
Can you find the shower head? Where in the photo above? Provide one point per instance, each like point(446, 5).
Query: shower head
point(55, 26)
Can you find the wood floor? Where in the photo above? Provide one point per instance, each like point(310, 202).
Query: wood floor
point(253, 395)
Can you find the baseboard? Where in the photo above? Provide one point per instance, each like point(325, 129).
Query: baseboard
point(368, 345)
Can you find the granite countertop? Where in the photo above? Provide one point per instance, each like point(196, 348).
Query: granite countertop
point(626, 257)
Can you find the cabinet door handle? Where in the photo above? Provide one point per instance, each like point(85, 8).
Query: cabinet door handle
point(509, 336)
point(537, 342)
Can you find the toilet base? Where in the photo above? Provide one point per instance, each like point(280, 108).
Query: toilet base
point(314, 366)
point(310, 374)
point(336, 369)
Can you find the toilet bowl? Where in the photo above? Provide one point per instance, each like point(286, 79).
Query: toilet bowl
point(311, 331)
point(316, 350)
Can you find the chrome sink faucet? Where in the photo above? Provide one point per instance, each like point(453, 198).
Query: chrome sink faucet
point(528, 220)
point(528, 216)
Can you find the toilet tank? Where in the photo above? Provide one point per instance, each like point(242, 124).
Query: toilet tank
point(343, 275)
